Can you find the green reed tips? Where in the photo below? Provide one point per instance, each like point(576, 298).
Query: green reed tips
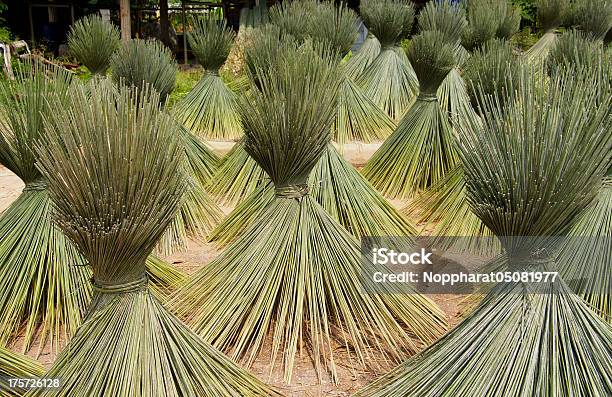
point(492, 70)
point(445, 17)
point(304, 92)
point(211, 41)
point(552, 13)
point(139, 62)
point(432, 58)
point(92, 41)
point(488, 19)
point(389, 20)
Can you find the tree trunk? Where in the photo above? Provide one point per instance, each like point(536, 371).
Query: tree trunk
point(164, 24)
point(126, 23)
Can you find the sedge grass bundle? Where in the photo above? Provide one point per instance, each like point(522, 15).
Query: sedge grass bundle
point(449, 19)
point(444, 207)
point(488, 19)
point(358, 118)
point(593, 17)
point(137, 64)
point(238, 175)
point(44, 280)
point(294, 272)
point(127, 154)
point(16, 366)
point(389, 80)
point(140, 62)
point(420, 151)
point(40, 271)
point(92, 41)
point(209, 109)
point(550, 15)
point(335, 183)
point(545, 157)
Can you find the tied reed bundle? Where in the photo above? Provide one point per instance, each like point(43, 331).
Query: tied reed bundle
point(333, 187)
point(16, 366)
point(389, 80)
point(294, 271)
point(444, 207)
point(92, 41)
point(420, 151)
point(41, 273)
point(44, 280)
point(358, 118)
point(139, 63)
point(114, 165)
point(593, 17)
point(449, 19)
point(550, 15)
point(209, 109)
point(545, 154)
point(488, 19)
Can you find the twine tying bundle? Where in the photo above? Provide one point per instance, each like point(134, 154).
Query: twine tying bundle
point(292, 191)
point(427, 97)
point(36, 185)
point(130, 286)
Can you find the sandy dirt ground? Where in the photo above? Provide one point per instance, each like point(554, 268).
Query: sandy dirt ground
point(305, 380)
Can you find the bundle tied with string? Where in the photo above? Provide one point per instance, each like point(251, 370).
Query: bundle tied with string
point(550, 15)
point(44, 278)
point(545, 153)
point(449, 19)
point(335, 184)
point(93, 41)
point(488, 72)
point(389, 80)
point(488, 19)
point(209, 109)
point(243, 297)
point(358, 117)
point(238, 175)
point(593, 17)
point(139, 63)
point(114, 165)
point(40, 270)
point(420, 151)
